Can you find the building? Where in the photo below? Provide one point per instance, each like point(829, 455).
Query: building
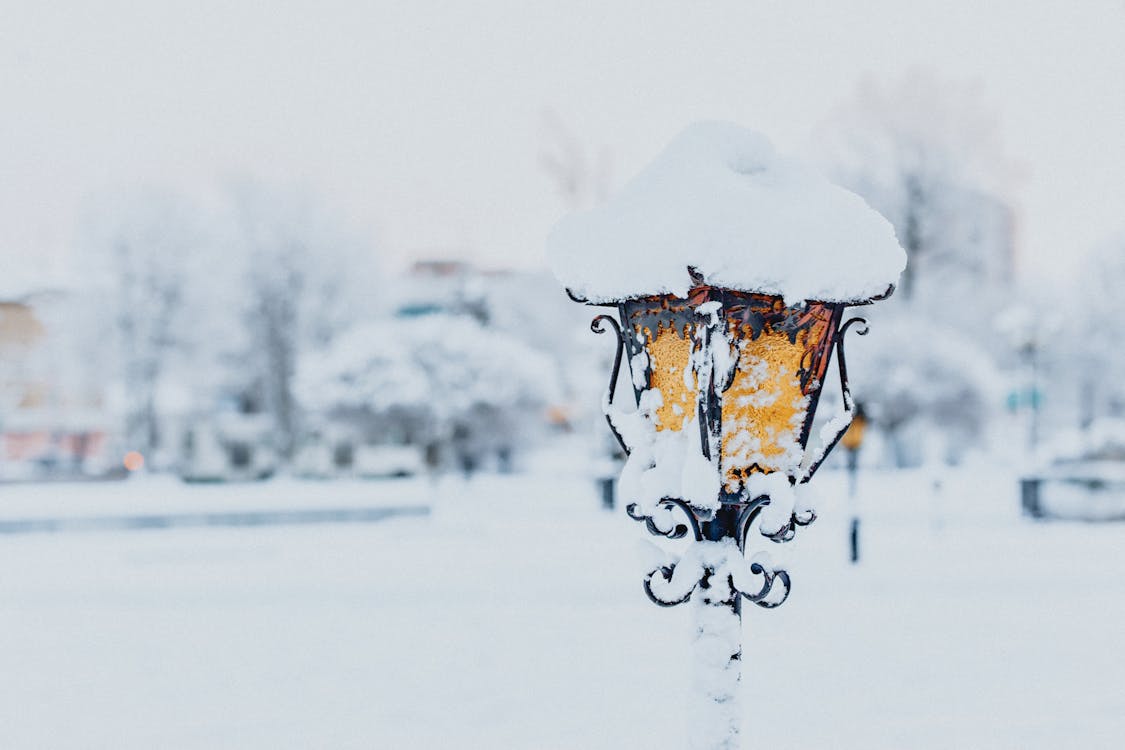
point(55, 420)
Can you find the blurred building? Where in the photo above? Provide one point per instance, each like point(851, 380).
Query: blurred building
point(55, 415)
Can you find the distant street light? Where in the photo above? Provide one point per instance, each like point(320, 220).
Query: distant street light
point(726, 374)
point(852, 442)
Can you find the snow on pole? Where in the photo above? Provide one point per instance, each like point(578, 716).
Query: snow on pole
point(729, 267)
point(718, 654)
point(717, 665)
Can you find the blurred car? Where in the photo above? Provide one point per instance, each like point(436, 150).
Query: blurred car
point(315, 461)
point(1081, 476)
point(228, 448)
point(375, 461)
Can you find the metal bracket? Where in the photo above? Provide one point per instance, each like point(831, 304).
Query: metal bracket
point(741, 532)
point(596, 327)
point(845, 392)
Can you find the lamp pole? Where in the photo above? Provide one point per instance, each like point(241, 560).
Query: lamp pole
point(727, 363)
point(853, 470)
point(717, 646)
point(705, 350)
point(852, 442)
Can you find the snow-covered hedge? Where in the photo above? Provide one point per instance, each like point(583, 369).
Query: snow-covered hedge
point(438, 370)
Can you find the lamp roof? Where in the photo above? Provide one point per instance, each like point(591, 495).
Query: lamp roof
point(722, 201)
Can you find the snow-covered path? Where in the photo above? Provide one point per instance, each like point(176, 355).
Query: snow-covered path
point(512, 617)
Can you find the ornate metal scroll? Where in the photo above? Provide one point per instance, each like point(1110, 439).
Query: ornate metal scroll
point(738, 515)
point(846, 394)
point(741, 531)
point(596, 327)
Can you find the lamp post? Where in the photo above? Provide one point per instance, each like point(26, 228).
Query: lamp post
point(743, 373)
point(727, 355)
point(852, 441)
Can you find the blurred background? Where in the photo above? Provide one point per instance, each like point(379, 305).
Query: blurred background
point(271, 270)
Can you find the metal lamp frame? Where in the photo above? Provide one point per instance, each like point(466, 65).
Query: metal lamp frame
point(738, 512)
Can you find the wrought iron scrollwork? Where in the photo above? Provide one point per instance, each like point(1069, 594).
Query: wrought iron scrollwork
point(763, 597)
point(746, 518)
point(596, 325)
point(846, 394)
point(678, 530)
point(735, 521)
point(690, 524)
point(665, 572)
point(575, 298)
point(771, 576)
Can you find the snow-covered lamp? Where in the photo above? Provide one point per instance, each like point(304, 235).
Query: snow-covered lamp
point(729, 268)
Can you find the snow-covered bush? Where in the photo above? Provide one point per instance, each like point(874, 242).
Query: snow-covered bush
point(439, 381)
point(924, 383)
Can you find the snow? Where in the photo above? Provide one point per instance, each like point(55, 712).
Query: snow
point(162, 495)
point(662, 463)
point(716, 648)
point(720, 199)
point(782, 495)
point(513, 617)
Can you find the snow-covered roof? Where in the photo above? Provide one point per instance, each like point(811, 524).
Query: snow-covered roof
point(722, 200)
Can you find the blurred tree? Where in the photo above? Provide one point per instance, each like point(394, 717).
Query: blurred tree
point(928, 386)
point(581, 179)
point(924, 153)
point(1094, 356)
point(146, 245)
point(304, 280)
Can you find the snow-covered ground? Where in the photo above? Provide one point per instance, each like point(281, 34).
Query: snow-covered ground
point(512, 617)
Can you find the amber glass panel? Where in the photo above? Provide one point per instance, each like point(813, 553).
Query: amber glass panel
point(661, 346)
point(782, 355)
point(781, 352)
point(669, 354)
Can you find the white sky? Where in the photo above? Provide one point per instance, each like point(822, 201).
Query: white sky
point(422, 121)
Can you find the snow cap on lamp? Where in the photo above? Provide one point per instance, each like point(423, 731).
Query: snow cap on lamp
point(721, 200)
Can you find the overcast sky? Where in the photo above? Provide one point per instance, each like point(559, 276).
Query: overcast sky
point(422, 122)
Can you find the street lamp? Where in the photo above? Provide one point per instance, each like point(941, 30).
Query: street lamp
point(852, 441)
point(729, 269)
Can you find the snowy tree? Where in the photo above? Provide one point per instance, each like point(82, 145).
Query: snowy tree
point(1092, 356)
point(925, 154)
point(581, 178)
point(921, 381)
point(145, 245)
point(439, 381)
point(304, 280)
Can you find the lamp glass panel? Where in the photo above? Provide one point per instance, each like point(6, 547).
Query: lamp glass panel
point(662, 341)
point(782, 355)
